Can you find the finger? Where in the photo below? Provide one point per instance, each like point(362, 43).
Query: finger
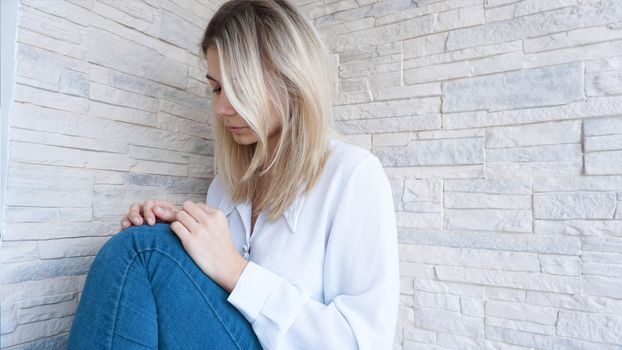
point(136, 220)
point(209, 210)
point(125, 222)
point(206, 208)
point(148, 213)
point(164, 204)
point(165, 214)
point(164, 210)
point(193, 210)
point(180, 230)
point(134, 215)
point(187, 220)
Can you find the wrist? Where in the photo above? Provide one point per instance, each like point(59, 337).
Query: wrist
point(239, 267)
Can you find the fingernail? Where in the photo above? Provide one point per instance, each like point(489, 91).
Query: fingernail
point(150, 221)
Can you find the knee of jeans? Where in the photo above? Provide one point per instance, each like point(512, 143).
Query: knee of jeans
point(136, 238)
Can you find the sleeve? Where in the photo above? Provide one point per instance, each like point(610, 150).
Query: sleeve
point(361, 278)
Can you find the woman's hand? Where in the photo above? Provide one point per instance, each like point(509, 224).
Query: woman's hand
point(204, 233)
point(149, 211)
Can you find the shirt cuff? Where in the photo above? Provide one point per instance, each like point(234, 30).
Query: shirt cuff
point(252, 290)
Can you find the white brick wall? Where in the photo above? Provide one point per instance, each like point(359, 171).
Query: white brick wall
point(110, 107)
point(499, 123)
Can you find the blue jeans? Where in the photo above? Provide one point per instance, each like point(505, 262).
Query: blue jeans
point(143, 291)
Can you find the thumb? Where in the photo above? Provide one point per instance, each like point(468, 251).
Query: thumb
point(165, 213)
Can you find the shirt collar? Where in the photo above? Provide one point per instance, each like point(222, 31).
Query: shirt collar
point(291, 213)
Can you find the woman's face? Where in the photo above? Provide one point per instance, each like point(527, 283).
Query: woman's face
point(222, 109)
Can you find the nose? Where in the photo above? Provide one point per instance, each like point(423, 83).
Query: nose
point(222, 106)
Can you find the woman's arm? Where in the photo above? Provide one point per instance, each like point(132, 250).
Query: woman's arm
point(361, 278)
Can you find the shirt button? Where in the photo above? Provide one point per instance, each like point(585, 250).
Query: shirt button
point(245, 250)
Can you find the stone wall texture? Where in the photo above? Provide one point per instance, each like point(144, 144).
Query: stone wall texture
point(499, 123)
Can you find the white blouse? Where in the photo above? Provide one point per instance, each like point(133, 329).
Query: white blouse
point(324, 275)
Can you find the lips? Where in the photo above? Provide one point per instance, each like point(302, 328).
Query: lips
point(237, 130)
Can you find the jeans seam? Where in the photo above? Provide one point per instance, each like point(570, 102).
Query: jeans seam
point(114, 322)
point(132, 340)
point(191, 279)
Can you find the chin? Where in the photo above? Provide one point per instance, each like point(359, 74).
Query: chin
point(242, 140)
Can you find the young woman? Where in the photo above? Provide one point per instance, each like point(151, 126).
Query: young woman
point(296, 245)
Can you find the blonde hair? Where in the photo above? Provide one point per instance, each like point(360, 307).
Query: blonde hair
point(271, 61)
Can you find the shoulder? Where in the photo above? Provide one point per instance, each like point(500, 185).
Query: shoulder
point(346, 155)
point(349, 159)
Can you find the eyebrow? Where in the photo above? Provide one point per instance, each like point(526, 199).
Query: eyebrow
point(210, 78)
